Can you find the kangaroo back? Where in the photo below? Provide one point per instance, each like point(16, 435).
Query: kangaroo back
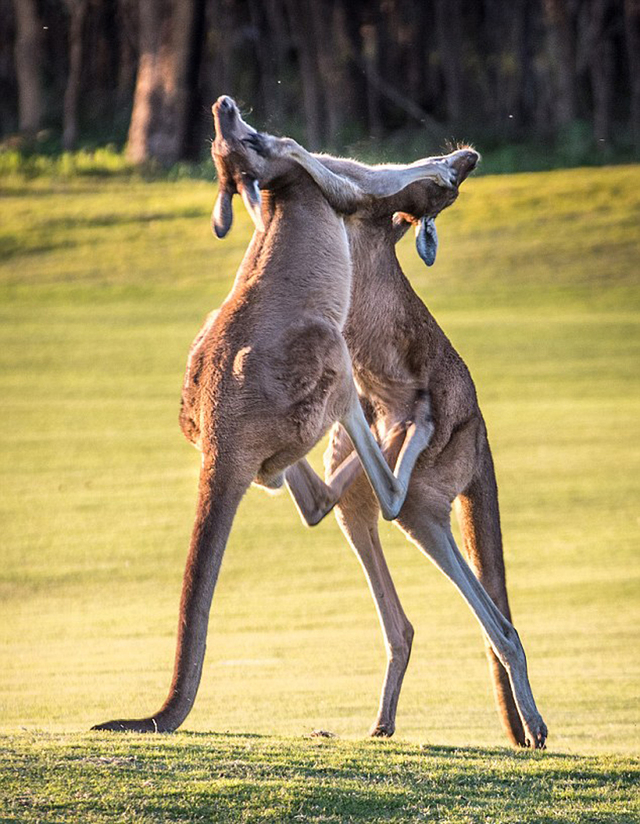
point(478, 515)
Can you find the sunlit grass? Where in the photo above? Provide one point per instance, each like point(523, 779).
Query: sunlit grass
point(223, 778)
point(101, 161)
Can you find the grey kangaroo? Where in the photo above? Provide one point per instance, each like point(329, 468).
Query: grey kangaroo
point(399, 352)
point(270, 371)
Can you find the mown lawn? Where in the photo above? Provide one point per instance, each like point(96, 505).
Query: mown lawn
point(103, 284)
point(207, 777)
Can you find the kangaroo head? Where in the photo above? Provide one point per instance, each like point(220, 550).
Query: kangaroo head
point(425, 200)
point(239, 169)
point(246, 161)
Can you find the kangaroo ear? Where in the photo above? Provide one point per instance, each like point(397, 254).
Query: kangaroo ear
point(427, 240)
point(222, 215)
point(252, 200)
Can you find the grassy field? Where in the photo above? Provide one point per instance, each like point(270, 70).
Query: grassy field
point(103, 284)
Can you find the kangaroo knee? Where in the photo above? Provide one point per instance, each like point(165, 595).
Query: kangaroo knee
point(399, 645)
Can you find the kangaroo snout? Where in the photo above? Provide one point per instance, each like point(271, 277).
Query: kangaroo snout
point(226, 116)
point(223, 104)
point(464, 161)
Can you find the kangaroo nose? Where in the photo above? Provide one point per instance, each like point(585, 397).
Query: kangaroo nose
point(471, 158)
point(223, 105)
point(464, 162)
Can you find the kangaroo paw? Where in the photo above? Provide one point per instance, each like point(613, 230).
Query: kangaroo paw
point(270, 147)
point(446, 177)
point(262, 144)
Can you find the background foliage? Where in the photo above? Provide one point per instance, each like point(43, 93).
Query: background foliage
point(383, 79)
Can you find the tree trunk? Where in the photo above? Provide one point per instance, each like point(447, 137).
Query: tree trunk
point(324, 22)
point(524, 95)
point(280, 42)
point(370, 54)
point(127, 27)
point(299, 15)
point(263, 51)
point(601, 82)
point(449, 32)
point(28, 58)
point(632, 31)
point(562, 41)
point(161, 101)
point(77, 12)
point(348, 24)
point(417, 43)
point(601, 69)
point(196, 128)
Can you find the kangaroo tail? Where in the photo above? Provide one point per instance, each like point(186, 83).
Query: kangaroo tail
point(479, 518)
point(218, 500)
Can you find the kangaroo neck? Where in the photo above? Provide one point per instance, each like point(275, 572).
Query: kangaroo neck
point(300, 265)
point(379, 285)
point(389, 331)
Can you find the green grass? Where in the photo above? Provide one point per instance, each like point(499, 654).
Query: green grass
point(104, 161)
point(103, 284)
point(211, 778)
point(100, 162)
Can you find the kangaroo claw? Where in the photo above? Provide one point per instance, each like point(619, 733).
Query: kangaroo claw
point(259, 143)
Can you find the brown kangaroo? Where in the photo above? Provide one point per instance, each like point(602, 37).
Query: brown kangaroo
point(270, 371)
point(397, 351)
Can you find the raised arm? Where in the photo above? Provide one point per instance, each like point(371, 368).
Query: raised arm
point(364, 183)
point(343, 195)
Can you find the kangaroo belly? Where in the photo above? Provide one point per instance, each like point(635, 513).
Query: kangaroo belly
point(307, 386)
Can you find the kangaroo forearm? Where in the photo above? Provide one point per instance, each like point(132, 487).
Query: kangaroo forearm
point(343, 194)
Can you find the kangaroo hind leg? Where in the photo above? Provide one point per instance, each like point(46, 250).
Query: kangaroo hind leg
point(434, 538)
point(357, 514)
point(220, 492)
point(314, 498)
point(479, 519)
point(396, 628)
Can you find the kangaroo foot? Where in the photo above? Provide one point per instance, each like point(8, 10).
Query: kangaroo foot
point(131, 725)
point(382, 729)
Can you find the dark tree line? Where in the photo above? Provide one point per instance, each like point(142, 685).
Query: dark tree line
point(329, 71)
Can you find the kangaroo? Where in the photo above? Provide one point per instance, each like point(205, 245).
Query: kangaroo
point(270, 372)
point(398, 351)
